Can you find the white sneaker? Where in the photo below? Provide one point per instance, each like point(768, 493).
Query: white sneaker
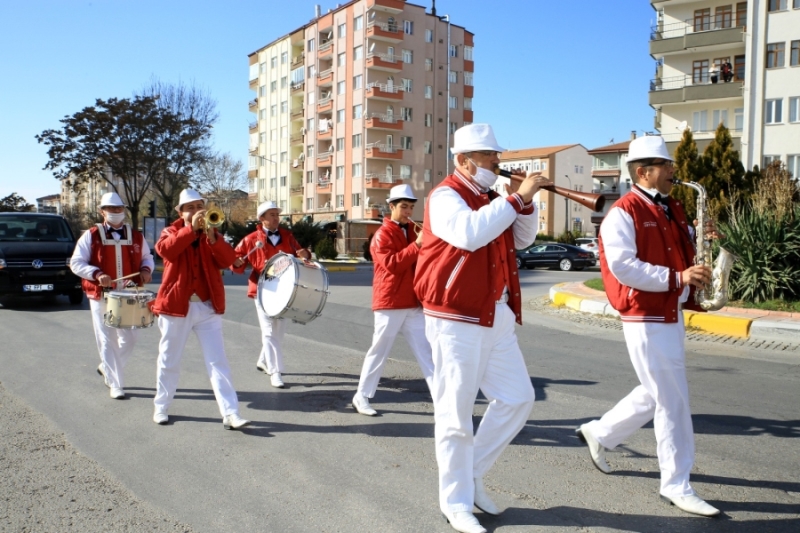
point(262, 366)
point(482, 500)
point(160, 417)
point(692, 504)
point(596, 450)
point(276, 381)
point(465, 522)
point(100, 371)
point(362, 405)
point(117, 393)
point(234, 421)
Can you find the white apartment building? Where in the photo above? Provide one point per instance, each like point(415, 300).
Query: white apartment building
point(610, 176)
point(568, 166)
point(760, 102)
point(361, 98)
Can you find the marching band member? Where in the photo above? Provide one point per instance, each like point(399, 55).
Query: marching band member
point(274, 239)
point(469, 288)
point(646, 257)
point(394, 248)
point(105, 252)
point(192, 298)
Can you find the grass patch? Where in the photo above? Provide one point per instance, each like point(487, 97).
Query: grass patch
point(595, 283)
point(769, 305)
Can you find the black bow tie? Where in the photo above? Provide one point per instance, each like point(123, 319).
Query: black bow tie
point(121, 232)
point(271, 233)
point(661, 199)
point(403, 225)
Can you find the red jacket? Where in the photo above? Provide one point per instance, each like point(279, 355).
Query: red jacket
point(455, 284)
point(104, 258)
point(395, 259)
point(176, 288)
point(259, 258)
point(661, 242)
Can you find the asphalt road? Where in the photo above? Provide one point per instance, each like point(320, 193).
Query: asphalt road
point(310, 463)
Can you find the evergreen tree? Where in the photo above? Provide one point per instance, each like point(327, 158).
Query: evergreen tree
point(688, 167)
point(724, 175)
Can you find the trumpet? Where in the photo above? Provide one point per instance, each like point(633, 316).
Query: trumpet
point(214, 218)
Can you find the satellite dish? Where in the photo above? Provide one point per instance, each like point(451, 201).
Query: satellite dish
point(371, 47)
point(372, 15)
point(683, 126)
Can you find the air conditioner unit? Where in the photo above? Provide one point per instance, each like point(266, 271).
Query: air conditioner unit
point(302, 131)
point(302, 156)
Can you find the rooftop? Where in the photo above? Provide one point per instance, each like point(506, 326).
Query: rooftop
point(534, 153)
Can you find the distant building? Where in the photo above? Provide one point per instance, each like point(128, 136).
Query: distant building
point(610, 176)
point(568, 166)
point(49, 204)
point(759, 102)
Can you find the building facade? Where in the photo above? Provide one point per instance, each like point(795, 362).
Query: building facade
point(610, 176)
point(49, 204)
point(695, 42)
point(362, 98)
point(568, 166)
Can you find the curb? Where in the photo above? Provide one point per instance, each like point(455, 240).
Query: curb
point(724, 322)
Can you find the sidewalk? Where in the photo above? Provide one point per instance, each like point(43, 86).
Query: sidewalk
point(733, 321)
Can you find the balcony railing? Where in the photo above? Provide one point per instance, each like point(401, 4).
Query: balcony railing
point(687, 80)
point(298, 59)
point(679, 29)
point(324, 47)
point(392, 89)
point(386, 58)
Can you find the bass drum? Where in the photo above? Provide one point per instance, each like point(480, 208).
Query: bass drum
point(291, 288)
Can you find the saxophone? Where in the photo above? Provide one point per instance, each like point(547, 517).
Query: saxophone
point(715, 297)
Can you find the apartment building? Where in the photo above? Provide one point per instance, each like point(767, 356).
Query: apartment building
point(568, 166)
point(49, 204)
point(759, 101)
point(362, 98)
point(610, 176)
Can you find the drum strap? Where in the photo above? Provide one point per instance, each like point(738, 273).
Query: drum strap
point(117, 244)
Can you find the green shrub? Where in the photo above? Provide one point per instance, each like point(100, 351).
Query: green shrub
point(567, 237)
point(326, 249)
point(307, 234)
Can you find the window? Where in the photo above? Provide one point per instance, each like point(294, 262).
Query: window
point(273, 110)
point(262, 91)
point(358, 53)
point(262, 68)
point(407, 85)
point(358, 23)
point(773, 111)
point(738, 119)
point(700, 71)
point(283, 181)
point(356, 170)
point(794, 109)
point(340, 172)
point(428, 147)
point(699, 120)
point(408, 57)
point(702, 19)
point(793, 164)
point(794, 55)
point(775, 53)
point(284, 132)
point(429, 35)
point(340, 200)
point(284, 106)
point(428, 92)
point(310, 45)
point(312, 71)
point(340, 116)
point(468, 104)
point(453, 127)
point(310, 124)
point(310, 176)
point(405, 143)
point(273, 62)
point(796, 5)
point(358, 81)
point(272, 183)
point(453, 103)
point(719, 116)
point(262, 114)
point(298, 75)
point(340, 87)
point(429, 64)
point(408, 27)
point(340, 59)
point(284, 156)
point(284, 82)
point(428, 120)
point(312, 97)
point(768, 159)
point(468, 78)
point(341, 30)
point(262, 138)
point(453, 50)
point(405, 172)
point(723, 17)
point(406, 113)
point(273, 86)
point(738, 68)
point(357, 110)
point(777, 5)
point(309, 204)
point(452, 77)
point(356, 197)
point(468, 53)
point(427, 175)
point(357, 140)
point(339, 144)
point(284, 58)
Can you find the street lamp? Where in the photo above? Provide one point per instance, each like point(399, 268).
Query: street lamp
point(566, 207)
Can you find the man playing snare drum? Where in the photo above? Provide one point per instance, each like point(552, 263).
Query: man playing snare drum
point(273, 239)
point(104, 253)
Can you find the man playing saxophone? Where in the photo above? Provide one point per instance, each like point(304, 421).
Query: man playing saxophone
point(646, 259)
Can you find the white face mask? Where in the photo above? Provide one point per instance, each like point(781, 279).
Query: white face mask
point(115, 218)
point(484, 178)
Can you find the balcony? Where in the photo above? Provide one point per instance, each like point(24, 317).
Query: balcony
point(384, 31)
point(253, 105)
point(298, 60)
point(380, 181)
point(387, 6)
point(693, 34)
point(325, 78)
point(296, 138)
point(606, 171)
point(385, 62)
point(254, 127)
point(325, 49)
point(684, 89)
point(379, 151)
point(469, 91)
point(377, 121)
point(324, 186)
point(297, 112)
point(297, 87)
point(324, 134)
point(296, 191)
point(379, 91)
point(325, 104)
point(325, 159)
point(468, 115)
point(372, 212)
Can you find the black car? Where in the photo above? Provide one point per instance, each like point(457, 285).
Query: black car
point(35, 249)
point(563, 256)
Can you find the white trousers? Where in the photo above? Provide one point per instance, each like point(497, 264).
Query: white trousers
point(115, 345)
point(657, 353)
point(388, 323)
point(468, 357)
point(207, 325)
point(272, 332)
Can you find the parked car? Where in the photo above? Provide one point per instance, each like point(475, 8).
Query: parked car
point(589, 243)
point(35, 249)
point(563, 256)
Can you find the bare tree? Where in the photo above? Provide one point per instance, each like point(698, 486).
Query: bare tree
point(223, 180)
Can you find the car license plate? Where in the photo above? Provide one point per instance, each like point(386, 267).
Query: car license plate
point(37, 288)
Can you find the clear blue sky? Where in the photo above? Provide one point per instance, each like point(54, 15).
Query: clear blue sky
point(546, 73)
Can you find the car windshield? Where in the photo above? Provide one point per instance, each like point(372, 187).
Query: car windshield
point(24, 227)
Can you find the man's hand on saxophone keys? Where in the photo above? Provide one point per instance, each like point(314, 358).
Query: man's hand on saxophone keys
point(698, 276)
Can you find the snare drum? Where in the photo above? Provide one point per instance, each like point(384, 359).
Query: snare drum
point(129, 309)
point(291, 288)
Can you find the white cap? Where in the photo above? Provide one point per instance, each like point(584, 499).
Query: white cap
point(473, 138)
point(648, 147)
point(111, 199)
point(189, 195)
point(401, 192)
point(266, 206)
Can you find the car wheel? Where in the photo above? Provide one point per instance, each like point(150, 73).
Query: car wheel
point(565, 264)
point(76, 297)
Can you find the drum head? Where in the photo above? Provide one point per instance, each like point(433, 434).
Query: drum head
point(277, 284)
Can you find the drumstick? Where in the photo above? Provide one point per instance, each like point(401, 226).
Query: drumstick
point(125, 277)
point(258, 245)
